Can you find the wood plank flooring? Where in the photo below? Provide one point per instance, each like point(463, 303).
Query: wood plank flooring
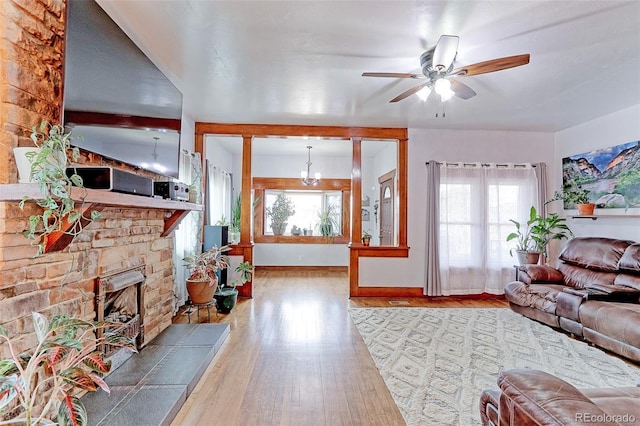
point(295, 358)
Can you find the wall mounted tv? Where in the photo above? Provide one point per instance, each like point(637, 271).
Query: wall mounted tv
point(115, 99)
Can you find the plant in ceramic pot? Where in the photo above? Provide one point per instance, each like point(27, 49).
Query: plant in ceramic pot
point(203, 281)
point(572, 195)
point(328, 221)
point(227, 296)
point(533, 236)
point(49, 169)
point(40, 386)
point(280, 212)
point(366, 238)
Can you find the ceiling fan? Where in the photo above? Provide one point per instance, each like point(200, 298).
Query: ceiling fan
point(437, 68)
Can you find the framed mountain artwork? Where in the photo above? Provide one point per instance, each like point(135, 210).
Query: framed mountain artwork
point(611, 175)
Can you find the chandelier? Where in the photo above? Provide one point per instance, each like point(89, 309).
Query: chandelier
point(306, 173)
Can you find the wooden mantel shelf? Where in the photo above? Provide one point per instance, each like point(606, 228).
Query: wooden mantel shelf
point(96, 199)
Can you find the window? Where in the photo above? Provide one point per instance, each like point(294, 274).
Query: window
point(308, 207)
point(330, 198)
point(476, 203)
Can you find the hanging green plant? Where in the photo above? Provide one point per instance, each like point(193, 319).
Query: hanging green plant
point(49, 165)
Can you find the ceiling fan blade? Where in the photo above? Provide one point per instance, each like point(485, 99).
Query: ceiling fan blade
point(462, 90)
point(407, 93)
point(492, 65)
point(445, 52)
point(392, 75)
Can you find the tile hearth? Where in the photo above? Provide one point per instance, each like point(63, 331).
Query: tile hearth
point(150, 387)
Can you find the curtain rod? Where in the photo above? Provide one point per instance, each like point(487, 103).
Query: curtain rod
point(483, 164)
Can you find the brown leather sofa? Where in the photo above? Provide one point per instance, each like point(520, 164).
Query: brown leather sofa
point(532, 397)
point(593, 293)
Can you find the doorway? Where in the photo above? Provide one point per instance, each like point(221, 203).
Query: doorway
point(387, 185)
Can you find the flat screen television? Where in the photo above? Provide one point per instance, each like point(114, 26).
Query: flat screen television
point(117, 103)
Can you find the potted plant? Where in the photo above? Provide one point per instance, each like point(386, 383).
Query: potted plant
point(202, 283)
point(573, 194)
point(279, 212)
point(227, 296)
point(66, 359)
point(366, 238)
point(328, 221)
point(533, 236)
point(49, 169)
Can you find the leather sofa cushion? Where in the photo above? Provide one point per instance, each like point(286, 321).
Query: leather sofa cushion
point(530, 274)
point(539, 296)
point(532, 397)
point(578, 277)
point(632, 281)
point(595, 253)
point(630, 260)
point(619, 321)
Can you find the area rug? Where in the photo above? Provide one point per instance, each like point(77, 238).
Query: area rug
point(436, 362)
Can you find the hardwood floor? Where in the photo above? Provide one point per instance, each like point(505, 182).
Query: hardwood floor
point(295, 358)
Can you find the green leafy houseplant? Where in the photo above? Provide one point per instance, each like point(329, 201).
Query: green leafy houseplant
point(227, 297)
point(67, 359)
point(280, 212)
point(572, 194)
point(534, 235)
point(328, 221)
point(49, 170)
point(203, 282)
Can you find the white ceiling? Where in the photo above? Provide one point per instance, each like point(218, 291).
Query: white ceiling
point(300, 62)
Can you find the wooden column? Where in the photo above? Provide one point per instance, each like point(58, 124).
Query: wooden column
point(245, 247)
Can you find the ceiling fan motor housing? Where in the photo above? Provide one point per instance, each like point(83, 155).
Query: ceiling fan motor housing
point(426, 63)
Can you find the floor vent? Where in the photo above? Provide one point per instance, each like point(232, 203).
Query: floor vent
point(399, 302)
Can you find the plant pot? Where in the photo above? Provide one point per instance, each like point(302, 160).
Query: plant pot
point(528, 257)
point(366, 241)
point(278, 228)
point(586, 209)
point(200, 292)
point(326, 230)
point(226, 300)
point(22, 163)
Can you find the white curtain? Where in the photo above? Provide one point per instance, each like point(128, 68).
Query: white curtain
point(219, 192)
point(474, 205)
point(188, 236)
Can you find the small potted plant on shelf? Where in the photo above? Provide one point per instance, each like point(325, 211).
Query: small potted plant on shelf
point(203, 281)
point(366, 238)
point(279, 213)
point(227, 296)
point(40, 385)
point(49, 169)
point(533, 236)
point(572, 195)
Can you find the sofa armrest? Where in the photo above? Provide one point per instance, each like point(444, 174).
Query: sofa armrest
point(533, 397)
point(533, 274)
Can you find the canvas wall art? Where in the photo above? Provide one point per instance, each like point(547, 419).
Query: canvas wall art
point(611, 175)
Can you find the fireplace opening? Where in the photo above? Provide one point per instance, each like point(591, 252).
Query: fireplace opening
point(120, 300)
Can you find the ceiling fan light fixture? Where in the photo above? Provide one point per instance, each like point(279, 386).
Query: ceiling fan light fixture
point(446, 95)
point(424, 93)
point(442, 86)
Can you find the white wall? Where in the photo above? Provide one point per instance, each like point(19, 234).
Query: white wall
point(448, 145)
point(613, 129)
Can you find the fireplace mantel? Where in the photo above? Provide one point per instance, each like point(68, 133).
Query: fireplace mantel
point(96, 200)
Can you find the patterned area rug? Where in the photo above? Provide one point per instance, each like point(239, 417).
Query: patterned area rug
point(436, 362)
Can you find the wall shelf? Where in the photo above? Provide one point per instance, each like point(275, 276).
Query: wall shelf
point(605, 216)
point(97, 200)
